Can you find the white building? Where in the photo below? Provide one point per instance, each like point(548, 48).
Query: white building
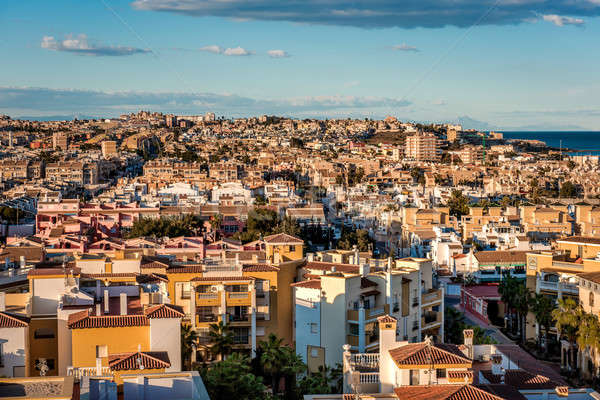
point(14, 342)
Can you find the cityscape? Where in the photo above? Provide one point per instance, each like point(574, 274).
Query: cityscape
point(262, 218)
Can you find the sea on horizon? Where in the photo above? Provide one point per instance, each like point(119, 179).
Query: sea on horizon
point(584, 142)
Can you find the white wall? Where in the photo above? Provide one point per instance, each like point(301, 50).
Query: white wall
point(123, 266)
point(91, 266)
point(13, 349)
point(64, 339)
point(333, 310)
point(45, 295)
point(174, 387)
point(165, 335)
point(305, 316)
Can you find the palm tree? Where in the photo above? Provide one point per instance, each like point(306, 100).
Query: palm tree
point(272, 359)
point(522, 302)
point(189, 340)
point(588, 336)
point(215, 222)
point(568, 316)
point(542, 308)
point(222, 338)
point(508, 290)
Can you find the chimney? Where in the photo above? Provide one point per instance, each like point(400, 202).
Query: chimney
point(468, 338)
point(2, 301)
point(310, 257)
point(356, 255)
point(364, 269)
point(497, 364)
point(123, 303)
point(22, 262)
point(389, 264)
point(106, 302)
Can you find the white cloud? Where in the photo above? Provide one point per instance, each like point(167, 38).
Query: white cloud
point(405, 47)
point(230, 51)
point(212, 49)
point(278, 54)
point(561, 20)
point(237, 51)
point(80, 45)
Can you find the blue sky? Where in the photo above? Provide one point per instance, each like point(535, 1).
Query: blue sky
point(525, 64)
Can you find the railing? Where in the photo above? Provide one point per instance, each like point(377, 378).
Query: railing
point(238, 318)
point(365, 360)
point(241, 339)
point(431, 318)
point(305, 303)
point(238, 295)
point(207, 318)
point(431, 296)
point(564, 264)
point(546, 285)
point(368, 377)
point(207, 296)
point(79, 372)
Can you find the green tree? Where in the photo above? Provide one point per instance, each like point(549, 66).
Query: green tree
point(508, 291)
point(542, 308)
point(588, 335)
point(232, 379)
point(568, 190)
point(458, 203)
point(522, 302)
point(273, 359)
point(568, 317)
point(454, 320)
point(222, 339)
point(189, 340)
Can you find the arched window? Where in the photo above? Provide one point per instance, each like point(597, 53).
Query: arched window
point(591, 299)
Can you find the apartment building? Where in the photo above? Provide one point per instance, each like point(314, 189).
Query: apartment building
point(493, 266)
point(541, 222)
point(60, 140)
point(13, 170)
point(587, 218)
point(339, 304)
point(109, 148)
point(426, 370)
point(478, 217)
point(253, 298)
point(14, 342)
point(422, 147)
point(224, 172)
point(77, 172)
point(556, 273)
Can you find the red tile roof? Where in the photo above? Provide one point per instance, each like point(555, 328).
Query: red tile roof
point(282, 238)
point(444, 392)
point(312, 284)
point(53, 271)
point(420, 354)
point(164, 311)
point(260, 268)
point(147, 359)
point(222, 278)
point(10, 320)
point(522, 380)
point(386, 319)
point(83, 319)
point(327, 266)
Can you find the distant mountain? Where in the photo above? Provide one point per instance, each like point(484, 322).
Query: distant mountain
point(55, 117)
point(470, 123)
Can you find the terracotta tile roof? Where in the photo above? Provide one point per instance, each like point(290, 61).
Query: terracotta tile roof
point(312, 284)
point(527, 362)
point(590, 276)
point(83, 319)
point(444, 392)
point(282, 238)
point(148, 359)
point(460, 375)
point(580, 239)
point(154, 264)
point(521, 380)
point(260, 268)
point(10, 320)
point(111, 275)
point(419, 354)
point(53, 271)
point(187, 269)
point(386, 319)
point(164, 311)
point(328, 266)
point(222, 278)
point(508, 256)
point(504, 391)
point(366, 283)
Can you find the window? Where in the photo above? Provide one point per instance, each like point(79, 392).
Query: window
point(354, 329)
point(292, 248)
point(314, 328)
point(43, 333)
point(414, 377)
point(237, 288)
point(440, 373)
point(314, 353)
point(591, 299)
point(101, 351)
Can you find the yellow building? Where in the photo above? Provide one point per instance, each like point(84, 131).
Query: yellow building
point(556, 273)
point(122, 337)
point(282, 247)
point(587, 218)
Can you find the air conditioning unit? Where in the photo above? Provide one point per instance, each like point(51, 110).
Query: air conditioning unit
point(214, 289)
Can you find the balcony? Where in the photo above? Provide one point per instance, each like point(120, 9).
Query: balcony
point(430, 319)
point(208, 299)
point(236, 318)
point(370, 313)
point(238, 298)
point(201, 318)
point(431, 296)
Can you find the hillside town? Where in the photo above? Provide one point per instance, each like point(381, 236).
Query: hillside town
point(201, 257)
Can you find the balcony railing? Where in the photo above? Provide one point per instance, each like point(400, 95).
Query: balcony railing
point(241, 339)
point(79, 372)
point(238, 317)
point(208, 318)
point(368, 377)
point(431, 296)
point(431, 318)
point(207, 296)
